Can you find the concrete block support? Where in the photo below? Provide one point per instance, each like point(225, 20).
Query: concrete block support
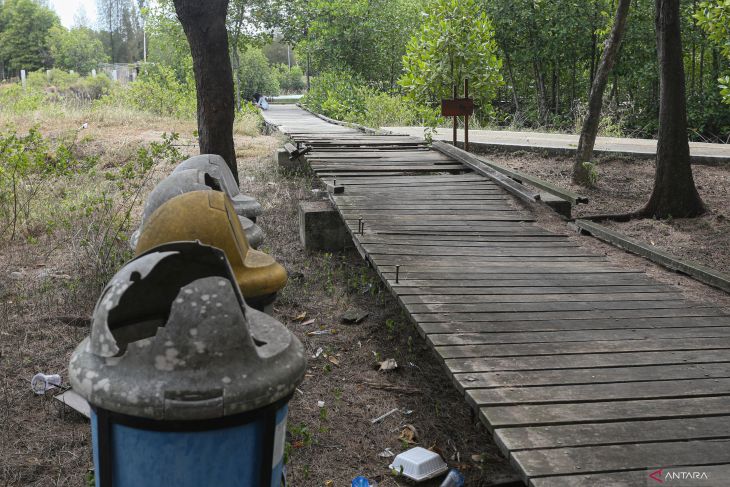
point(281, 157)
point(321, 227)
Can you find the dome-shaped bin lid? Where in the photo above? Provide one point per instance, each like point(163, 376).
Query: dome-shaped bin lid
point(172, 339)
point(187, 181)
point(215, 166)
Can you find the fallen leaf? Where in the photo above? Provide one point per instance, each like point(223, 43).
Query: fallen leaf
point(408, 434)
point(329, 483)
point(333, 360)
point(308, 322)
point(388, 364)
point(300, 316)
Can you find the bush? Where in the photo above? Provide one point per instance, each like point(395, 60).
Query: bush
point(157, 91)
point(255, 75)
point(290, 80)
point(337, 94)
point(55, 88)
point(343, 96)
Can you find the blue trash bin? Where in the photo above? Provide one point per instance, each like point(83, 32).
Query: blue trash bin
point(188, 385)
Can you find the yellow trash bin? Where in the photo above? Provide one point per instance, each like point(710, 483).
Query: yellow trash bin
point(209, 217)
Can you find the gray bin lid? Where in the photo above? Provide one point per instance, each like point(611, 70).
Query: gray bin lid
point(172, 339)
point(215, 166)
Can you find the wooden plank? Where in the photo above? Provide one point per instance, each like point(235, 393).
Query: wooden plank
point(634, 478)
point(564, 315)
point(606, 346)
point(626, 334)
point(435, 288)
point(538, 297)
point(526, 378)
point(598, 412)
point(539, 307)
point(611, 458)
point(699, 272)
point(475, 164)
point(471, 261)
point(450, 212)
point(494, 291)
point(564, 325)
point(599, 392)
point(386, 197)
point(592, 434)
point(578, 361)
point(453, 251)
point(436, 219)
point(466, 241)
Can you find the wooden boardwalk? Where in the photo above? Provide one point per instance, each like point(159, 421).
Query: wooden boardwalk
point(584, 373)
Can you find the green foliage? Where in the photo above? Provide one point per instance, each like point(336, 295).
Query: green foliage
point(24, 31)
point(290, 80)
point(77, 49)
point(157, 91)
point(340, 95)
point(455, 42)
point(366, 37)
point(53, 90)
point(15, 100)
point(27, 163)
point(343, 96)
point(168, 45)
point(714, 18)
point(46, 188)
point(255, 75)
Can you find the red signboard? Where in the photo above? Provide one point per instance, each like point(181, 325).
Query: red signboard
point(457, 108)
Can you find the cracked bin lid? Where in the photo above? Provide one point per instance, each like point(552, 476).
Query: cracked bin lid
point(172, 339)
point(176, 184)
point(216, 167)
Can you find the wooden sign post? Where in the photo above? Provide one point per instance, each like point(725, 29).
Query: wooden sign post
point(458, 107)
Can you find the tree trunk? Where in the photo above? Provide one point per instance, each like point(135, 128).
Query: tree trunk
point(674, 194)
point(584, 153)
point(512, 81)
point(204, 24)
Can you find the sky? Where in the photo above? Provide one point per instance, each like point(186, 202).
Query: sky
point(67, 9)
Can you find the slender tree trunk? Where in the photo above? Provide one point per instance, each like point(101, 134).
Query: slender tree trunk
point(702, 68)
point(572, 84)
point(581, 173)
point(511, 80)
point(674, 191)
point(204, 24)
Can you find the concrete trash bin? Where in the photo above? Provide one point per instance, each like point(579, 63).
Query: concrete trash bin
point(188, 385)
point(218, 169)
point(182, 182)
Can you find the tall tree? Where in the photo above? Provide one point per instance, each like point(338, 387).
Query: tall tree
point(77, 49)
point(581, 169)
point(674, 194)
point(204, 24)
point(109, 15)
point(455, 42)
point(24, 36)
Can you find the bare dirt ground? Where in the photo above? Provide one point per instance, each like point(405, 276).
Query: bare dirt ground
point(45, 304)
point(625, 185)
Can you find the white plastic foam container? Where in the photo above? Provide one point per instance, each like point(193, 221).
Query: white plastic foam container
point(419, 464)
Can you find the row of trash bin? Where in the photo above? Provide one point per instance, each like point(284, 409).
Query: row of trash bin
point(187, 377)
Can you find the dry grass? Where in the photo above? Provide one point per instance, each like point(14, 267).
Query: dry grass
point(44, 308)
